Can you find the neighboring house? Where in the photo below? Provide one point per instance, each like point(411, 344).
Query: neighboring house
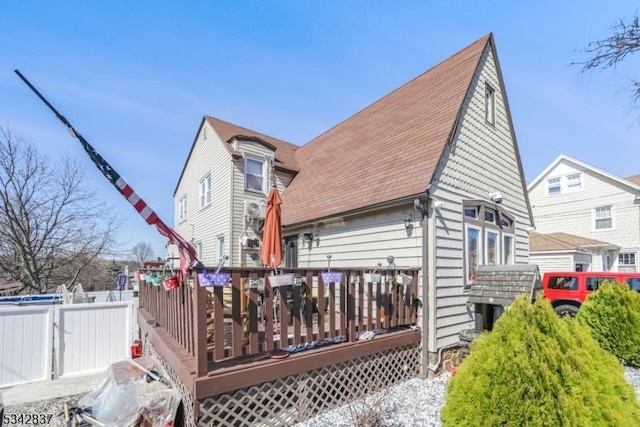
point(565, 252)
point(574, 198)
point(429, 175)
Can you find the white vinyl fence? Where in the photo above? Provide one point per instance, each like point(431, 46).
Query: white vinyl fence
point(44, 342)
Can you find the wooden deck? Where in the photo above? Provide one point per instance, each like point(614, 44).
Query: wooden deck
point(253, 318)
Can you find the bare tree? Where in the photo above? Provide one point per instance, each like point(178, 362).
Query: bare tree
point(51, 227)
point(142, 252)
point(612, 50)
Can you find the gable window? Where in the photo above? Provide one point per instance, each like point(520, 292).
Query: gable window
point(205, 191)
point(489, 105)
point(182, 211)
point(602, 218)
point(489, 237)
point(553, 186)
point(627, 261)
point(254, 175)
point(574, 181)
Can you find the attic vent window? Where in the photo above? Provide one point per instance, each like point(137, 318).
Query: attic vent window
point(489, 105)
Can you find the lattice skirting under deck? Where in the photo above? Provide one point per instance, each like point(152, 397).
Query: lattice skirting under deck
point(187, 417)
point(299, 397)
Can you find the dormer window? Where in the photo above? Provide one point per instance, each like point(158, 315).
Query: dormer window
point(489, 105)
point(254, 174)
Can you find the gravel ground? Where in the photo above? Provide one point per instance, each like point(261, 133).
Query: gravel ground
point(416, 402)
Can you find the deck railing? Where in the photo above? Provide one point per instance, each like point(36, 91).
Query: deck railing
point(257, 312)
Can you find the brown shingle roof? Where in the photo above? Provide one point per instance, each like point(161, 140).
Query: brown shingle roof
point(385, 152)
point(547, 242)
point(284, 154)
point(635, 179)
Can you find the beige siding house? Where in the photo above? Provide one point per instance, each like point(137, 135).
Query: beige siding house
point(429, 176)
point(229, 170)
point(577, 199)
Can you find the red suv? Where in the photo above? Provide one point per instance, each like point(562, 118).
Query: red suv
point(567, 290)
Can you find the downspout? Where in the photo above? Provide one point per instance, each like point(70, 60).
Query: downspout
point(425, 285)
point(232, 262)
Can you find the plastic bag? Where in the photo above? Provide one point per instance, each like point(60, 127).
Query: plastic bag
point(130, 396)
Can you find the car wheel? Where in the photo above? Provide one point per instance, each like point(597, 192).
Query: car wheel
point(566, 310)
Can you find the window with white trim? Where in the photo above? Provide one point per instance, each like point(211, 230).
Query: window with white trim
point(574, 181)
point(508, 249)
point(199, 250)
point(492, 247)
point(489, 237)
point(603, 219)
point(220, 249)
point(205, 191)
point(182, 211)
point(254, 174)
point(489, 104)
point(553, 186)
point(472, 249)
point(627, 261)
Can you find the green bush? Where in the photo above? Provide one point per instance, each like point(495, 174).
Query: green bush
point(536, 369)
point(612, 314)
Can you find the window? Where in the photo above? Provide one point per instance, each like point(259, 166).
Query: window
point(593, 283)
point(507, 249)
point(199, 250)
point(563, 282)
point(574, 181)
point(491, 249)
point(634, 283)
point(489, 237)
point(182, 214)
point(220, 249)
point(254, 175)
point(603, 219)
point(553, 186)
point(205, 191)
point(627, 261)
point(473, 251)
point(489, 104)
point(205, 133)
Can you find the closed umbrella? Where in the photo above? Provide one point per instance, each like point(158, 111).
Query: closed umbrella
point(272, 232)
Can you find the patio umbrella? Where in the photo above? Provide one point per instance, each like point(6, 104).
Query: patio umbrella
point(272, 233)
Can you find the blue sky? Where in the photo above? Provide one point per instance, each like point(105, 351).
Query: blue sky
point(135, 78)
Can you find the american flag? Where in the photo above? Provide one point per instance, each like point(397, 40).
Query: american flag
point(186, 251)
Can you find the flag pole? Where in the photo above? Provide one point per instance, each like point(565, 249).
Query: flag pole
point(186, 251)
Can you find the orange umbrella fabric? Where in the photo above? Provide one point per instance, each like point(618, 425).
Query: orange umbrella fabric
point(272, 234)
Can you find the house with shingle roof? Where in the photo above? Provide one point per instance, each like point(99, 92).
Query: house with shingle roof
point(594, 211)
point(565, 252)
point(429, 175)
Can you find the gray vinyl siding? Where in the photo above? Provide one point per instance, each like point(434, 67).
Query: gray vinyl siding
point(208, 157)
point(481, 160)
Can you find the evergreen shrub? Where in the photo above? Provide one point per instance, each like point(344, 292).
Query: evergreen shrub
point(537, 369)
point(612, 314)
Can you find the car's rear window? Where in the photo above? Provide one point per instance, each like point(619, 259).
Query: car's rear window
point(593, 283)
point(563, 282)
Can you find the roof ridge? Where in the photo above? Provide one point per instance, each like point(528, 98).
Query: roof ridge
point(484, 38)
point(251, 131)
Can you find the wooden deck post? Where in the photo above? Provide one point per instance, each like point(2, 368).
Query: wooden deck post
point(200, 326)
